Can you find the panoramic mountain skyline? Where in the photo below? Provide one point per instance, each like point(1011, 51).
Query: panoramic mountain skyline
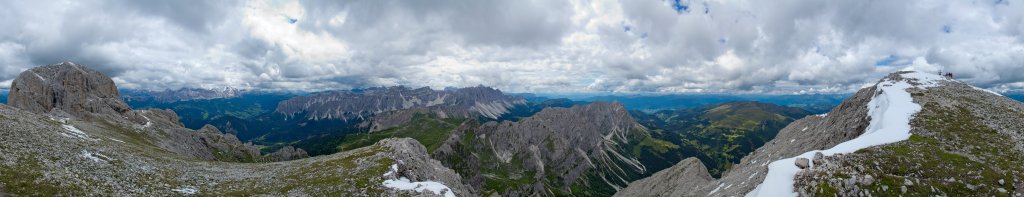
point(519, 46)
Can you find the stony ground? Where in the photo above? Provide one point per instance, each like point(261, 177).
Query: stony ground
point(41, 156)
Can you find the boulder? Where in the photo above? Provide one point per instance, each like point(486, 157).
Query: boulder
point(818, 158)
point(802, 163)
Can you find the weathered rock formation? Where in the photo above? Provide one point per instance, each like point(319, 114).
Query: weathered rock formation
point(66, 89)
point(586, 146)
point(688, 172)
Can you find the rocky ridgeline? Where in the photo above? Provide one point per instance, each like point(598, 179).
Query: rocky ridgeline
point(71, 91)
point(394, 105)
point(183, 94)
point(905, 163)
point(588, 146)
point(62, 141)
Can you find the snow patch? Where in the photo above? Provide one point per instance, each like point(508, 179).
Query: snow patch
point(890, 109)
point(187, 190)
point(987, 90)
point(402, 183)
point(73, 132)
point(925, 80)
point(821, 115)
point(95, 157)
point(37, 75)
point(716, 189)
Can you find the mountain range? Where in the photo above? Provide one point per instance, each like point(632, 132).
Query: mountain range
point(67, 130)
point(182, 94)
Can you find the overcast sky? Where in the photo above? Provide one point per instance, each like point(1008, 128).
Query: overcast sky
point(570, 46)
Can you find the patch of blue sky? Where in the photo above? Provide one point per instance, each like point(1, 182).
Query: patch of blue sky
point(892, 60)
point(680, 6)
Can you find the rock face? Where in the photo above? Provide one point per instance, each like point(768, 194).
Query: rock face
point(66, 88)
point(688, 172)
point(586, 146)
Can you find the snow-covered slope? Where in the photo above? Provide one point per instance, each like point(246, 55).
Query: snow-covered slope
point(890, 110)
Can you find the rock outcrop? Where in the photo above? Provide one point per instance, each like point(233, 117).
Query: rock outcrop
point(67, 89)
point(688, 172)
point(585, 146)
point(413, 162)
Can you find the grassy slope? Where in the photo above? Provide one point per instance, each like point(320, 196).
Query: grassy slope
point(429, 131)
point(719, 135)
point(196, 113)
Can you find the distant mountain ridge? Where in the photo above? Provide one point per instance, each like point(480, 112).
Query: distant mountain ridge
point(815, 103)
point(484, 101)
point(182, 94)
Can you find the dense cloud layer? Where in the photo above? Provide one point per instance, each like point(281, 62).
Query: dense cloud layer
point(519, 46)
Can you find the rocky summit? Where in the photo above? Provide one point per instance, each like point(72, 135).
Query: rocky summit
point(66, 89)
point(912, 134)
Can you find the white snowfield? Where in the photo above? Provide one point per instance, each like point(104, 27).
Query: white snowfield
point(403, 183)
point(891, 110)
